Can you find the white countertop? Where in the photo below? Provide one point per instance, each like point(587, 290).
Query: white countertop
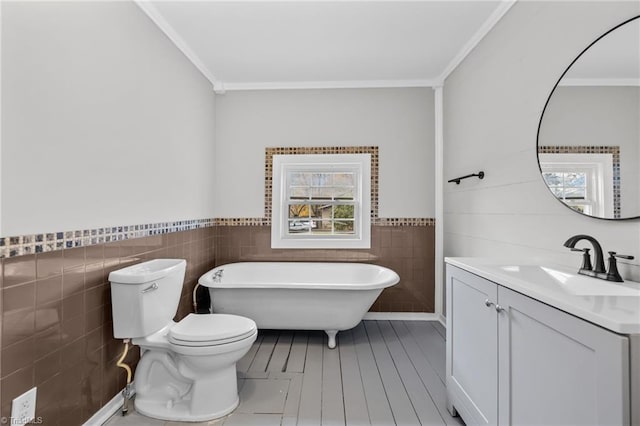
point(619, 313)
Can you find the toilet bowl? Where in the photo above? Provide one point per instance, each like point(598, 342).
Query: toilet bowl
point(196, 360)
point(187, 371)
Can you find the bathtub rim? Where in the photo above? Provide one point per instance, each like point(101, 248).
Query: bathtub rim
point(392, 278)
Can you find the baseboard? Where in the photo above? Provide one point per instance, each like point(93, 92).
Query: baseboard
point(403, 316)
point(108, 410)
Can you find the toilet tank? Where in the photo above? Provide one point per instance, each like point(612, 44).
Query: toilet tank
point(145, 296)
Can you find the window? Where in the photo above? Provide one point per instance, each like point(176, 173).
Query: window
point(572, 188)
point(583, 182)
point(321, 201)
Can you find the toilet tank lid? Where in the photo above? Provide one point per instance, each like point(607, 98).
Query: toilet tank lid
point(146, 271)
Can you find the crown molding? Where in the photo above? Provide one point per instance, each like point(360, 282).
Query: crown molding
point(600, 82)
point(486, 27)
point(150, 10)
point(221, 87)
point(348, 84)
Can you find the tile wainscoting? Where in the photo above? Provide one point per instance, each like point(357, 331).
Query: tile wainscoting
point(57, 331)
point(55, 306)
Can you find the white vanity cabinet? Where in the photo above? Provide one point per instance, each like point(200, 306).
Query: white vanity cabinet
point(512, 360)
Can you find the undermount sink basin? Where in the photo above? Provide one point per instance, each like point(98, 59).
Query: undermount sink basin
point(572, 283)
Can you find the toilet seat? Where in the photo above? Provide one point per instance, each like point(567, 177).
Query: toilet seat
point(211, 330)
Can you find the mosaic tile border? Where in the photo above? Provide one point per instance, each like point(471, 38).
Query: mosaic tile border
point(600, 149)
point(51, 241)
point(241, 221)
point(385, 221)
point(405, 221)
point(268, 170)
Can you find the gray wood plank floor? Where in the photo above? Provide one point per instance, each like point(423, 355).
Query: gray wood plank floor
point(381, 373)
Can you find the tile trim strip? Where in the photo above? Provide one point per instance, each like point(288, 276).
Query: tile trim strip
point(404, 221)
point(242, 221)
point(614, 150)
point(381, 221)
point(52, 241)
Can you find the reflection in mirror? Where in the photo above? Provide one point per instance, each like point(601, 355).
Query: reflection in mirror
point(589, 133)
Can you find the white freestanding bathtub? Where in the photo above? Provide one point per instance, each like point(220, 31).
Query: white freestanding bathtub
point(298, 295)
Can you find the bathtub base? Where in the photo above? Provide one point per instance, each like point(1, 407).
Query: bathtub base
point(330, 311)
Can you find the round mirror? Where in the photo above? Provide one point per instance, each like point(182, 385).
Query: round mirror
point(589, 132)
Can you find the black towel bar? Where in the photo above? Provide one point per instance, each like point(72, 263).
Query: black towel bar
point(457, 180)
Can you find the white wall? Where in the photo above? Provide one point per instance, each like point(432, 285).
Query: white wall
point(493, 102)
point(104, 121)
point(398, 121)
point(599, 116)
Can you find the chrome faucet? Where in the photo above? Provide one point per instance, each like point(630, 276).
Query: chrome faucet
point(598, 270)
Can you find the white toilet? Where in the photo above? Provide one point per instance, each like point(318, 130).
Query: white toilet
point(187, 371)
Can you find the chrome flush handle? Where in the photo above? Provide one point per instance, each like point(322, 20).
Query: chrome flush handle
point(152, 287)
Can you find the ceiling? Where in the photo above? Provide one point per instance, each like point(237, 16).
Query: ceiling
point(294, 44)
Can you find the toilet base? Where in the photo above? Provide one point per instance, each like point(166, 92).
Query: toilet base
point(173, 391)
point(179, 411)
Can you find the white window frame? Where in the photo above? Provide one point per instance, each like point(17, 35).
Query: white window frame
point(599, 170)
point(358, 163)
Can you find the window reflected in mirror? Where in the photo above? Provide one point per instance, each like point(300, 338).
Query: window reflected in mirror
point(586, 179)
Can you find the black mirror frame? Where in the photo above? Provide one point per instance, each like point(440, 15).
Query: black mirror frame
point(545, 109)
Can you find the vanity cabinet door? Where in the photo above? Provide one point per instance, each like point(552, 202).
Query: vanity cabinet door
point(556, 369)
point(472, 346)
